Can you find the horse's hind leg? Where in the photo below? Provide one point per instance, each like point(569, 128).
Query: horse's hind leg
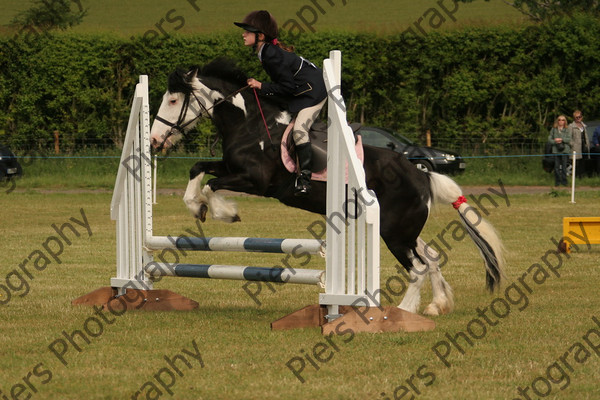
point(404, 251)
point(427, 264)
point(443, 297)
point(194, 199)
point(220, 208)
point(200, 199)
point(412, 298)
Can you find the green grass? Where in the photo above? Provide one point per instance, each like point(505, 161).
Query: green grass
point(243, 358)
point(138, 16)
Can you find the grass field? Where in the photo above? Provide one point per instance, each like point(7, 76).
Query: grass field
point(137, 16)
point(243, 359)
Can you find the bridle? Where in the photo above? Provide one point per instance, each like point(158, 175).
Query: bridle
point(180, 125)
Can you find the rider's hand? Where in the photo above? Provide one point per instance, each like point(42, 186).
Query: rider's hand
point(254, 84)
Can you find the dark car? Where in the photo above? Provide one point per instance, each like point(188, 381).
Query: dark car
point(9, 166)
point(424, 158)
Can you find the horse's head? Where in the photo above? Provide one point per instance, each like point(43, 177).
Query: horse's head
point(196, 93)
point(180, 109)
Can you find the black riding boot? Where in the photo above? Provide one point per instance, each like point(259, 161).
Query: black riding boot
point(304, 152)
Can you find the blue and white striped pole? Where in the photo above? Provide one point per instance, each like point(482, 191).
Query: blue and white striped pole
point(240, 273)
point(263, 245)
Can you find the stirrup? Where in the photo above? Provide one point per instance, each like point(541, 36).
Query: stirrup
point(302, 188)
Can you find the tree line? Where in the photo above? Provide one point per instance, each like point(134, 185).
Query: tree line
point(478, 83)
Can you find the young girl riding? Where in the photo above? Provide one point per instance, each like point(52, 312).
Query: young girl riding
point(294, 79)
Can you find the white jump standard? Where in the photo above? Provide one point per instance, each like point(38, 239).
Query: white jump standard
point(351, 278)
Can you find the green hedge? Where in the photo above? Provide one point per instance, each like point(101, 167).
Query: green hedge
point(482, 83)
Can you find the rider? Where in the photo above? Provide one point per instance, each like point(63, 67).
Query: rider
point(298, 81)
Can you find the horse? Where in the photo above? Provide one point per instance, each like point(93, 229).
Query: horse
point(251, 128)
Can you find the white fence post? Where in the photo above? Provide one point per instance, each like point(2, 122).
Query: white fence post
point(128, 206)
point(573, 171)
point(352, 276)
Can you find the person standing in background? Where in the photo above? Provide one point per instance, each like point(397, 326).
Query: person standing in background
point(580, 143)
point(560, 138)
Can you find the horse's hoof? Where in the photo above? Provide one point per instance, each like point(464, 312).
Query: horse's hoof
point(410, 310)
point(203, 211)
point(441, 307)
point(236, 218)
point(432, 310)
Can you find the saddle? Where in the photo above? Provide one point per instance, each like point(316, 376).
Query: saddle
point(318, 141)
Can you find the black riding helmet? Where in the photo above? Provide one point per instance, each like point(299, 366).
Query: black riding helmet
point(260, 22)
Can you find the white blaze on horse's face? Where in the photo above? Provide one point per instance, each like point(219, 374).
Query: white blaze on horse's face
point(169, 110)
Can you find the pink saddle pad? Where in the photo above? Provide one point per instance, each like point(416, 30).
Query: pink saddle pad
point(290, 164)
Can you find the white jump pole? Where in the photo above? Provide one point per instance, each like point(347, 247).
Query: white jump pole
point(573, 179)
point(352, 270)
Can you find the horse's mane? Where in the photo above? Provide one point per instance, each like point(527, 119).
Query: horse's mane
point(226, 69)
point(221, 68)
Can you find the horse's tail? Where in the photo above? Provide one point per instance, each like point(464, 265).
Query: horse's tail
point(445, 190)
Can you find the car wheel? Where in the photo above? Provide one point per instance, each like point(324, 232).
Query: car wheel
point(423, 165)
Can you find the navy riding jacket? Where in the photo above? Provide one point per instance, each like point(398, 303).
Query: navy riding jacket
point(296, 80)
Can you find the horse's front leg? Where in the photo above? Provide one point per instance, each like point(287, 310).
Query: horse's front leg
point(226, 210)
point(199, 199)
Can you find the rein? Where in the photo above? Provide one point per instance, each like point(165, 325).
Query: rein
point(263, 116)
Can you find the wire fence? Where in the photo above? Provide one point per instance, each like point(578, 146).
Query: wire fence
point(466, 147)
point(492, 147)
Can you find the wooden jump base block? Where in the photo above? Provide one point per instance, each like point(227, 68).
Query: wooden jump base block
point(352, 252)
point(591, 225)
point(135, 299)
point(357, 319)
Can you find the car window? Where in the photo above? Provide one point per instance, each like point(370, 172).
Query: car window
point(374, 138)
point(591, 127)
